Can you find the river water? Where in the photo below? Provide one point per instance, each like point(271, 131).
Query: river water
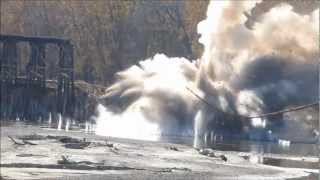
point(269, 153)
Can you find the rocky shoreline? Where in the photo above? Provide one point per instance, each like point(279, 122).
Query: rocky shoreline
point(37, 153)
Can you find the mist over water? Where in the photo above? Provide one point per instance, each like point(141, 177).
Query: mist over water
point(242, 71)
point(131, 124)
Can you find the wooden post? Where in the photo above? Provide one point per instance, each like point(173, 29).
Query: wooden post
point(36, 65)
point(8, 73)
point(65, 93)
point(36, 79)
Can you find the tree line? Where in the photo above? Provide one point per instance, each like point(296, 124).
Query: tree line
point(108, 35)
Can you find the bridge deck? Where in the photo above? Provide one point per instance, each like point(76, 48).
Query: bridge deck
point(37, 39)
point(23, 82)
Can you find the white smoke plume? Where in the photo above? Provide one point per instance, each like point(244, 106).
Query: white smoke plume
point(230, 45)
point(265, 67)
point(243, 71)
point(154, 89)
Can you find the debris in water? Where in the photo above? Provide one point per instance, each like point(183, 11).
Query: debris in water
point(109, 144)
point(16, 141)
point(67, 160)
point(32, 137)
point(114, 149)
point(21, 142)
point(175, 169)
point(69, 140)
point(56, 137)
point(30, 155)
point(29, 142)
point(207, 152)
point(80, 145)
point(284, 143)
point(223, 157)
point(173, 148)
point(315, 132)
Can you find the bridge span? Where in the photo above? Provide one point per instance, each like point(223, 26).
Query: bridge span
point(23, 96)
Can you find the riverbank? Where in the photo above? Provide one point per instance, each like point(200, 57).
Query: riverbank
point(88, 156)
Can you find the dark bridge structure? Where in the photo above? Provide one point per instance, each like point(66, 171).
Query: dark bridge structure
point(24, 97)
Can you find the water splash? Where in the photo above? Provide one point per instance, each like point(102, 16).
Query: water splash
point(59, 122)
point(67, 124)
point(131, 125)
point(50, 120)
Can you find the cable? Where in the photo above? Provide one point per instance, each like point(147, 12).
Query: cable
point(258, 116)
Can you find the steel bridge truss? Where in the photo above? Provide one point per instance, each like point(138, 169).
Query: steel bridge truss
point(35, 78)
